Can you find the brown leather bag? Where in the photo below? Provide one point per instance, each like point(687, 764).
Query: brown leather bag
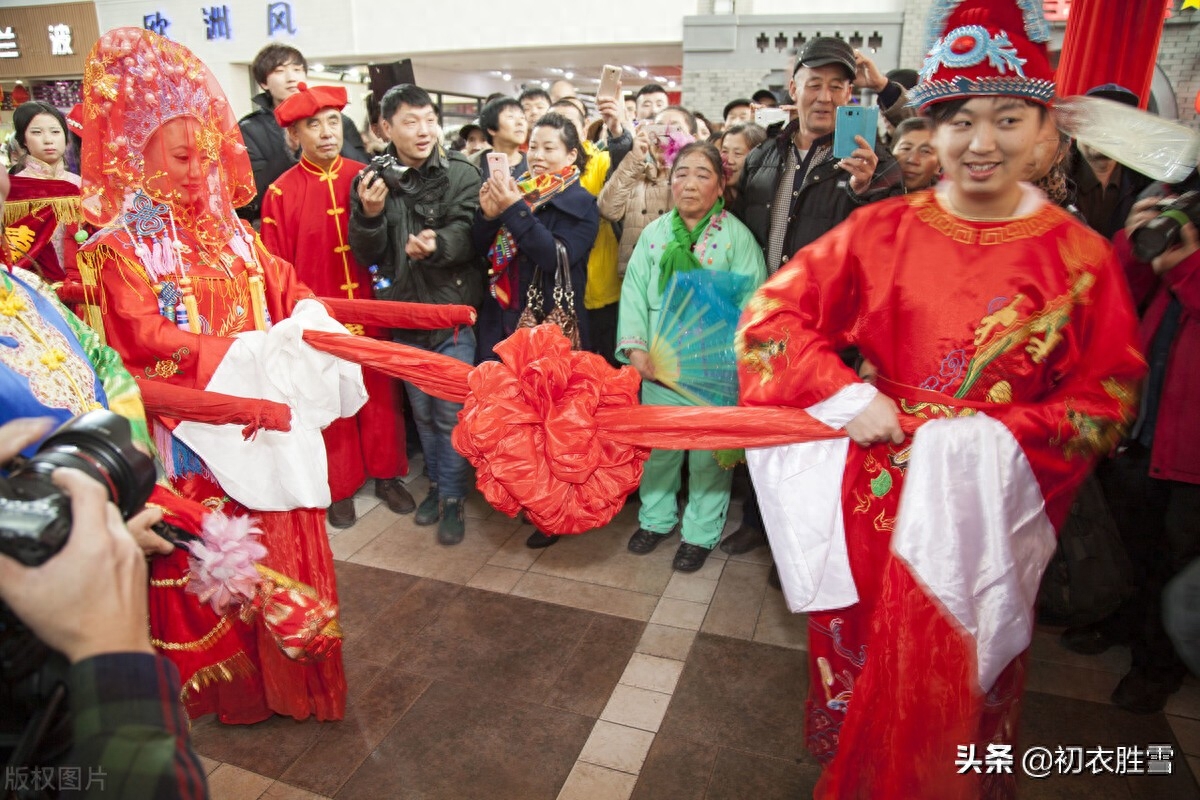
point(563, 314)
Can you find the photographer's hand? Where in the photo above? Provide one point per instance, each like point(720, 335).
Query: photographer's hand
point(1189, 243)
point(91, 598)
point(151, 543)
point(373, 192)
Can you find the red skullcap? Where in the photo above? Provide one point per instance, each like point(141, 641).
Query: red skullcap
point(308, 101)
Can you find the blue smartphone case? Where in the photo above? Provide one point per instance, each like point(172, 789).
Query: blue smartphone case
point(854, 121)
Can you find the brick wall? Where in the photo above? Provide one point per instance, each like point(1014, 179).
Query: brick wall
point(1179, 58)
point(707, 91)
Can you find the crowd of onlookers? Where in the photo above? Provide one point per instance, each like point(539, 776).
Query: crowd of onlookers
point(616, 194)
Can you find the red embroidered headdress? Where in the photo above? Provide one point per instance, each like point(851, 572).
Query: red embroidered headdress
point(135, 83)
point(985, 47)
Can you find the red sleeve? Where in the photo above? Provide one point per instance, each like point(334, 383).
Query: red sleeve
point(1088, 413)
point(271, 227)
point(795, 324)
point(1184, 281)
point(151, 345)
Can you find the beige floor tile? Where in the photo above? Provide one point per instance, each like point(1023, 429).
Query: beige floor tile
point(1194, 763)
point(281, 791)
point(208, 764)
point(666, 642)
point(513, 554)
point(617, 747)
point(1185, 702)
point(601, 556)
point(692, 587)
point(366, 501)
point(735, 605)
point(761, 555)
point(1187, 731)
point(369, 526)
point(588, 596)
point(496, 579)
point(228, 782)
point(1075, 682)
point(653, 673)
point(477, 507)
point(777, 625)
point(414, 550)
point(590, 782)
point(679, 613)
point(637, 708)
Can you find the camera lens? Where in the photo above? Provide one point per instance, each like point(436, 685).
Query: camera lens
point(99, 444)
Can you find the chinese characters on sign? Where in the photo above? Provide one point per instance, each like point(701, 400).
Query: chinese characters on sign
point(60, 40)
point(279, 19)
point(8, 43)
point(216, 23)
point(156, 22)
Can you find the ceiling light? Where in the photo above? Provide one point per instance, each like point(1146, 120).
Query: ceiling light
point(642, 73)
point(568, 74)
point(670, 84)
point(496, 73)
point(506, 76)
point(545, 84)
point(555, 71)
point(318, 67)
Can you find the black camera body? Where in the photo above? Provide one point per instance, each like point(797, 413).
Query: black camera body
point(398, 178)
point(35, 515)
point(1162, 233)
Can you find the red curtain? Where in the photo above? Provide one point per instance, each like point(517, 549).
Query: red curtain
point(1111, 41)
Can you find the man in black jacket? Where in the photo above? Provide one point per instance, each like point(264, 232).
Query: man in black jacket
point(820, 190)
point(418, 234)
point(278, 70)
point(793, 189)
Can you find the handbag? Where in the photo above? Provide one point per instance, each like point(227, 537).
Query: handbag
point(563, 314)
point(1090, 575)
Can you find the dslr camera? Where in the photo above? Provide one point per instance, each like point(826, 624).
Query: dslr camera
point(1162, 233)
point(35, 515)
point(35, 523)
point(398, 178)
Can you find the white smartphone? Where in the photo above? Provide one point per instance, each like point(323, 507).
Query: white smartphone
point(497, 162)
point(766, 117)
point(610, 82)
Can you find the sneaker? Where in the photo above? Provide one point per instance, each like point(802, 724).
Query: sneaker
point(430, 510)
point(452, 526)
point(689, 557)
point(341, 514)
point(392, 492)
point(643, 541)
point(537, 540)
point(743, 540)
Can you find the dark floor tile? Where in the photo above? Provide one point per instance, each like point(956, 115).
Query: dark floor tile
point(1049, 721)
point(596, 665)
point(509, 645)
point(675, 769)
point(342, 746)
point(359, 676)
point(738, 775)
point(364, 592)
point(459, 742)
point(400, 619)
point(740, 694)
point(268, 747)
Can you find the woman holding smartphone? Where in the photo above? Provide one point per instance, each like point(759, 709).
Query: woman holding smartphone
point(520, 224)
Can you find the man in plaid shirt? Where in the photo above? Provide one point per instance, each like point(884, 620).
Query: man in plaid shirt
point(89, 603)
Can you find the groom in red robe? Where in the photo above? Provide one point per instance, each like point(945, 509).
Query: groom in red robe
point(305, 216)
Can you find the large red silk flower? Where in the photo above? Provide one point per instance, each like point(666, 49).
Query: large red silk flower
point(529, 428)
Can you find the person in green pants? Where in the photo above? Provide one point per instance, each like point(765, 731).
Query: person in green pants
point(698, 234)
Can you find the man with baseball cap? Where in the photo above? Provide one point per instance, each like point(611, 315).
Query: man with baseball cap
point(793, 189)
point(305, 217)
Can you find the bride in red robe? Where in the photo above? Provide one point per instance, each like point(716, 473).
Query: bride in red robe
point(1006, 324)
point(180, 277)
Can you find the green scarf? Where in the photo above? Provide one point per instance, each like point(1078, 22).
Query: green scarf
point(677, 255)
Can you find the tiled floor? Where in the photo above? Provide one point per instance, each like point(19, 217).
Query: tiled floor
point(583, 672)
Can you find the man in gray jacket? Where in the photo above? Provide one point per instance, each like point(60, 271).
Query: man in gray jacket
point(412, 222)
